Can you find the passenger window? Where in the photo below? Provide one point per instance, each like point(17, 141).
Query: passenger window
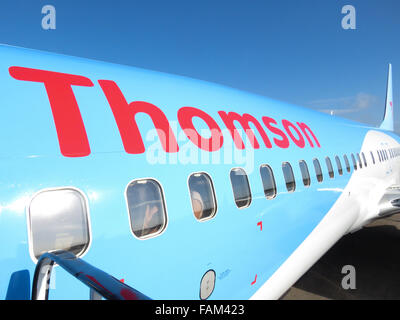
point(318, 171)
point(58, 220)
point(268, 180)
point(346, 161)
point(372, 157)
point(146, 208)
point(304, 172)
point(364, 159)
point(289, 177)
point(354, 161)
point(202, 194)
point(339, 165)
point(379, 156)
point(359, 161)
point(329, 166)
point(241, 187)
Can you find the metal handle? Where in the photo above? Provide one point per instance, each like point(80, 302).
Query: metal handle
point(99, 281)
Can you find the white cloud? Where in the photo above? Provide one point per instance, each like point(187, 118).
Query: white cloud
point(345, 105)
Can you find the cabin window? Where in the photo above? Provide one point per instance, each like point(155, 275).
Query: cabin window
point(305, 173)
point(372, 157)
point(354, 161)
point(59, 220)
point(318, 171)
point(339, 165)
point(289, 177)
point(359, 161)
point(329, 166)
point(379, 156)
point(202, 195)
point(268, 181)
point(241, 187)
point(146, 206)
point(346, 161)
point(364, 159)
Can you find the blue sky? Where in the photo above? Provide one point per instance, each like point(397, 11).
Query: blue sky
point(294, 51)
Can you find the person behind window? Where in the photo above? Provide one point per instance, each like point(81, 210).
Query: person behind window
point(146, 208)
point(198, 205)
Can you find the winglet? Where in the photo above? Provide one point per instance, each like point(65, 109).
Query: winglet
point(387, 123)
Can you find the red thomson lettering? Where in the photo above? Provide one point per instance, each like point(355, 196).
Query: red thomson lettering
point(284, 143)
point(68, 121)
point(304, 128)
point(229, 118)
point(124, 115)
point(185, 118)
point(298, 141)
point(74, 142)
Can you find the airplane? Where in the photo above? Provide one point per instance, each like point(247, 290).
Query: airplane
point(123, 183)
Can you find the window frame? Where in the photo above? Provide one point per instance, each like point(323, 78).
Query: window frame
point(347, 162)
point(364, 159)
point(162, 230)
point(88, 220)
point(316, 160)
point(248, 183)
point(339, 165)
point(213, 193)
point(273, 179)
point(353, 159)
point(307, 171)
point(359, 160)
point(284, 177)
point(329, 166)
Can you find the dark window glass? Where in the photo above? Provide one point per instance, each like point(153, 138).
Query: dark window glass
point(268, 180)
point(364, 159)
point(353, 159)
point(339, 165)
point(241, 187)
point(346, 161)
point(289, 177)
point(318, 171)
point(59, 220)
point(146, 207)
point(379, 156)
point(329, 166)
point(202, 194)
point(304, 173)
point(372, 157)
point(359, 161)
